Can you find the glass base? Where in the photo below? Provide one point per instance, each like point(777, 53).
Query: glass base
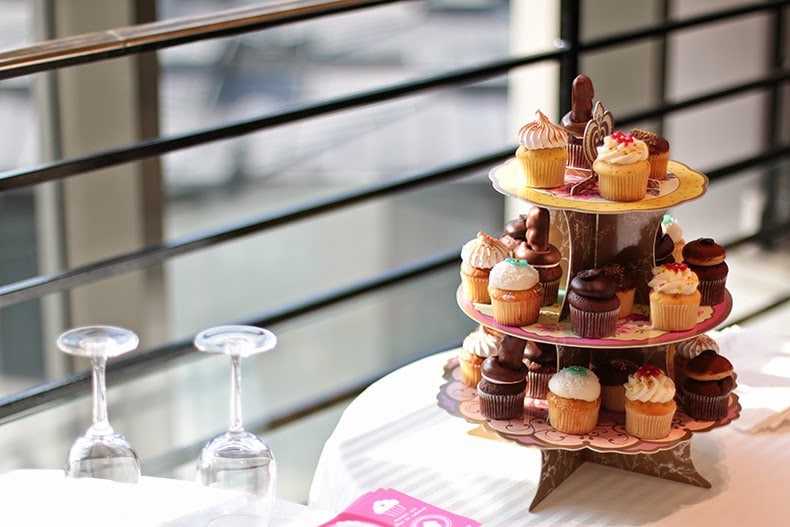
point(238, 461)
point(103, 457)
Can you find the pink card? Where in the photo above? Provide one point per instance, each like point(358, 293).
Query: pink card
point(391, 508)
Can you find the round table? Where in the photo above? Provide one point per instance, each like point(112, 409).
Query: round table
point(395, 435)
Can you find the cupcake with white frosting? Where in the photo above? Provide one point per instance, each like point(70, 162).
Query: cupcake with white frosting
point(574, 400)
point(478, 256)
point(476, 347)
point(542, 153)
point(516, 293)
point(649, 403)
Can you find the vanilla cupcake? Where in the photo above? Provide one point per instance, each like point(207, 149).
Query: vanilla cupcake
point(574, 400)
point(649, 403)
point(542, 153)
point(622, 168)
point(516, 293)
point(478, 257)
point(674, 297)
point(476, 347)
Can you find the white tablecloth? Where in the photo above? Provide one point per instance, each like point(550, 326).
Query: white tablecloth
point(44, 498)
point(395, 435)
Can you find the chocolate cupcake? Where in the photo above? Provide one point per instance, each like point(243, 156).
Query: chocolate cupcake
point(706, 258)
point(613, 375)
point(594, 307)
point(663, 249)
point(706, 391)
point(658, 152)
point(502, 388)
point(541, 361)
point(539, 253)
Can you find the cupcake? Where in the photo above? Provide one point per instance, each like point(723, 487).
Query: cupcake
point(674, 298)
point(594, 307)
point(625, 287)
point(541, 361)
point(503, 384)
point(542, 153)
point(613, 375)
point(516, 293)
point(649, 403)
point(622, 168)
point(476, 347)
point(478, 256)
point(706, 258)
point(686, 350)
point(540, 254)
point(575, 121)
point(574, 400)
point(671, 228)
point(706, 391)
point(657, 152)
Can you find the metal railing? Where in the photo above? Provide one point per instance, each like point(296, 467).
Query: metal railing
point(127, 41)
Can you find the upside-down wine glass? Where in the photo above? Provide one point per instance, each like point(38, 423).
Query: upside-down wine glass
point(237, 459)
point(100, 452)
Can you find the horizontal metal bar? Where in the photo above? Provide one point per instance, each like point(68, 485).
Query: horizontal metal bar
point(59, 391)
point(60, 169)
point(113, 43)
point(39, 286)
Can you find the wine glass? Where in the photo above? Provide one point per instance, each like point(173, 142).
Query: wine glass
point(237, 459)
point(101, 452)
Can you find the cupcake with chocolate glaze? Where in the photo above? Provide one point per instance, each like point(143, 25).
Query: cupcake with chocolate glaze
point(594, 307)
point(541, 361)
point(475, 348)
point(613, 375)
point(625, 286)
point(658, 152)
point(503, 385)
point(706, 391)
point(574, 400)
point(649, 403)
point(685, 350)
point(478, 257)
point(575, 121)
point(542, 153)
point(663, 251)
point(706, 258)
point(540, 254)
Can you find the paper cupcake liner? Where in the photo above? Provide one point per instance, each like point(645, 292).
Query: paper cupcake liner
point(658, 166)
point(573, 420)
point(538, 384)
point(475, 289)
point(646, 426)
point(712, 291)
point(670, 317)
point(543, 174)
point(516, 313)
point(631, 185)
point(626, 302)
point(576, 157)
point(550, 291)
point(501, 406)
point(470, 373)
point(706, 407)
point(613, 398)
point(591, 325)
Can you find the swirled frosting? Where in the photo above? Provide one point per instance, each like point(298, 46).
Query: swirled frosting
point(484, 251)
point(481, 343)
point(671, 228)
point(649, 384)
point(575, 382)
point(692, 347)
point(674, 279)
point(622, 149)
point(542, 133)
point(513, 275)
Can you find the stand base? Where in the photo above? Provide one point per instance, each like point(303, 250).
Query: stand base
point(674, 464)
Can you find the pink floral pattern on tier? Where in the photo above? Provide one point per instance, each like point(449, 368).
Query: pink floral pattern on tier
point(532, 429)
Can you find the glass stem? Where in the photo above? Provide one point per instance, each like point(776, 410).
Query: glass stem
point(101, 424)
point(236, 425)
